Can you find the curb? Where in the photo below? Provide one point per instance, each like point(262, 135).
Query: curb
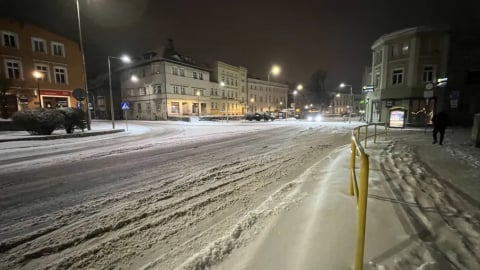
point(63, 136)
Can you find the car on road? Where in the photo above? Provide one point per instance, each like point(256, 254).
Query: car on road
point(314, 117)
point(266, 116)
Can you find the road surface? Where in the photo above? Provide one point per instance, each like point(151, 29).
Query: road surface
point(152, 198)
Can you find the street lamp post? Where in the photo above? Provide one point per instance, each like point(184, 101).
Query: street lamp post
point(275, 70)
point(351, 101)
point(124, 59)
point(294, 102)
point(38, 75)
point(222, 84)
point(198, 104)
point(84, 66)
point(251, 101)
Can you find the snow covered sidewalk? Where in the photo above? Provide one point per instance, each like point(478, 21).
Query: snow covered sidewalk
point(416, 219)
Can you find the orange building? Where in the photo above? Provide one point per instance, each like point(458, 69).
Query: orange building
point(37, 68)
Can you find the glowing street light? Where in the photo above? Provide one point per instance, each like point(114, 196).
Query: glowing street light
point(342, 85)
point(38, 75)
point(134, 78)
point(124, 59)
point(251, 101)
point(274, 71)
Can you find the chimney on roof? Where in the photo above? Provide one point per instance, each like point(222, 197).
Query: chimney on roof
point(170, 44)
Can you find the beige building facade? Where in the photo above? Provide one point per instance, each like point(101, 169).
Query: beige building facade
point(403, 64)
point(266, 96)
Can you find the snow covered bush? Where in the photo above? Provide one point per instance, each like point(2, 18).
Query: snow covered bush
point(38, 121)
point(73, 118)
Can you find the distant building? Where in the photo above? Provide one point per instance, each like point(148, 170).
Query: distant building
point(99, 90)
point(406, 67)
point(266, 96)
point(231, 97)
point(171, 85)
point(26, 48)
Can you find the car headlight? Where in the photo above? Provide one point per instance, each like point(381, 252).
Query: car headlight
point(309, 118)
point(318, 118)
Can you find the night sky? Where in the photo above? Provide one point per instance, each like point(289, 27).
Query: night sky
point(300, 36)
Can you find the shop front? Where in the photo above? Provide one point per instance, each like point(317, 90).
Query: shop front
point(55, 99)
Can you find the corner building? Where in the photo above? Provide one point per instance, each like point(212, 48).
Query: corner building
point(26, 48)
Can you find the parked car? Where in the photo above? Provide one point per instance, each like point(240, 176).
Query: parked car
point(259, 116)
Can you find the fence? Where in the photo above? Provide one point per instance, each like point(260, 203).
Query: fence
point(360, 190)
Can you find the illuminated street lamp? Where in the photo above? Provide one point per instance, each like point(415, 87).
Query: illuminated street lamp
point(134, 78)
point(251, 101)
point(198, 95)
point(342, 85)
point(124, 59)
point(38, 75)
point(275, 70)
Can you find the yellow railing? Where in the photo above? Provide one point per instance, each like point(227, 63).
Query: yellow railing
point(360, 190)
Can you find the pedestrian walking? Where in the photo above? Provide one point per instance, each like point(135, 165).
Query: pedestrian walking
point(439, 125)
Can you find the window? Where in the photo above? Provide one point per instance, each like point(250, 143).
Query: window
point(183, 91)
point(200, 76)
point(44, 69)
point(101, 101)
point(427, 75)
point(139, 107)
point(182, 72)
point(395, 50)
point(156, 68)
point(58, 49)
point(174, 70)
point(39, 45)
point(157, 88)
point(142, 91)
point(378, 57)
point(9, 39)
point(175, 107)
point(195, 75)
point(176, 89)
point(377, 79)
point(60, 75)
point(13, 69)
point(397, 76)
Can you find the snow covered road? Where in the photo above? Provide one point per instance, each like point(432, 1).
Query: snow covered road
point(150, 201)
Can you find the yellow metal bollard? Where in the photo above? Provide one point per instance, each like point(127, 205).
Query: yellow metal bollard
point(352, 166)
point(362, 212)
point(366, 136)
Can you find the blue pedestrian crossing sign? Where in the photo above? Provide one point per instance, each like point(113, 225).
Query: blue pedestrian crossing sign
point(125, 106)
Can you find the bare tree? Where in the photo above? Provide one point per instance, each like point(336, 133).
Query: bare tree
point(316, 90)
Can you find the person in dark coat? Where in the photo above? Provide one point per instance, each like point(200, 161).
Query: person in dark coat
point(439, 125)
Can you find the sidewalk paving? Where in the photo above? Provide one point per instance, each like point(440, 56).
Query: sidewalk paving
point(422, 212)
